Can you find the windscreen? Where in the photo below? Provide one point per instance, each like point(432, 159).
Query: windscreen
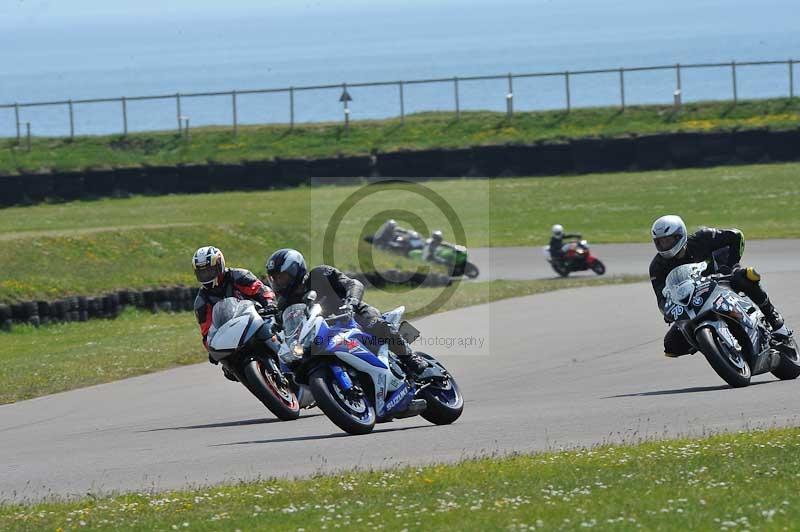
point(293, 318)
point(227, 309)
point(680, 283)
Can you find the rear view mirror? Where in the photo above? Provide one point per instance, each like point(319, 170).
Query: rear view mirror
point(408, 332)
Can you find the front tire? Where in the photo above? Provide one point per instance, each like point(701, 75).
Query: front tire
point(560, 268)
point(445, 402)
point(279, 399)
point(729, 364)
point(789, 367)
point(598, 267)
point(471, 270)
point(351, 415)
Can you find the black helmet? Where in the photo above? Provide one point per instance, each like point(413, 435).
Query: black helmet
point(436, 236)
point(291, 262)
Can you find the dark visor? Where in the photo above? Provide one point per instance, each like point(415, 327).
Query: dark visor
point(206, 274)
point(665, 243)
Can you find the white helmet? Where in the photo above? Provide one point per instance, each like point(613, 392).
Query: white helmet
point(669, 235)
point(209, 266)
point(558, 231)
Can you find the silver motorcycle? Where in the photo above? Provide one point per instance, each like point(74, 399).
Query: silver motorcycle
point(243, 341)
point(728, 328)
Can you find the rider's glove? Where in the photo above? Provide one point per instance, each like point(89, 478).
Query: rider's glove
point(349, 304)
point(270, 309)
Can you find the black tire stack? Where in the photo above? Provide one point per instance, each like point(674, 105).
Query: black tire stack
point(108, 306)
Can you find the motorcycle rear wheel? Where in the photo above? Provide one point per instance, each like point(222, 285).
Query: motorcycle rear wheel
point(445, 402)
point(729, 365)
point(279, 400)
point(350, 416)
point(789, 367)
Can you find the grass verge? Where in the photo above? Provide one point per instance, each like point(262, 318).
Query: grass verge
point(91, 247)
point(732, 481)
point(55, 358)
point(424, 130)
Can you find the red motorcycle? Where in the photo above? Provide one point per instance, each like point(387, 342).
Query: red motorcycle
point(577, 258)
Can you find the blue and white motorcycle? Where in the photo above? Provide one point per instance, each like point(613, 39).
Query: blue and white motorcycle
point(355, 379)
point(728, 328)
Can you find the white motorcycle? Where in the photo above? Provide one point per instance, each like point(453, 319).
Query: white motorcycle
point(243, 342)
point(729, 329)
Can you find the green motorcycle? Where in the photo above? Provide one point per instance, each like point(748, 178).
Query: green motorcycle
point(453, 256)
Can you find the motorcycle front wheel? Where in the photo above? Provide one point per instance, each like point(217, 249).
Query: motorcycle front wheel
point(560, 268)
point(471, 271)
point(444, 399)
point(277, 397)
point(728, 363)
point(350, 412)
point(598, 267)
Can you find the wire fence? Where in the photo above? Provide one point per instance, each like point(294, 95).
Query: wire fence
point(450, 88)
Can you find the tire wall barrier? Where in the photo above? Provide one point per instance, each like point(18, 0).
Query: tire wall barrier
point(166, 299)
point(642, 152)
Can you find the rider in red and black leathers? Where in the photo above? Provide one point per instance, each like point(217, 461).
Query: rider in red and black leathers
point(720, 247)
point(236, 282)
point(222, 282)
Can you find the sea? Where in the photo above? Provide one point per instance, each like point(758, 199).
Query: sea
point(50, 54)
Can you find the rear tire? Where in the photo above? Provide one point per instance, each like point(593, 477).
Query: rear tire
point(343, 414)
point(598, 267)
point(281, 402)
point(445, 402)
point(728, 364)
point(789, 367)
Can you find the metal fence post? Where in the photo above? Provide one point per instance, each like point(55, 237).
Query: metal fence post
point(28, 127)
point(402, 102)
point(178, 112)
point(510, 97)
point(291, 107)
point(235, 117)
point(678, 75)
point(791, 79)
point(71, 122)
point(16, 115)
point(569, 96)
point(733, 80)
point(124, 116)
point(458, 103)
point(622, 87)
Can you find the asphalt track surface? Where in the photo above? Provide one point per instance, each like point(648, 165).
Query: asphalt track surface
point(562, 369)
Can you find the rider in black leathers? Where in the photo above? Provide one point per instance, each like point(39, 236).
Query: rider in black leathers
point(720, 247)
point(291, 281)
point(557, 242)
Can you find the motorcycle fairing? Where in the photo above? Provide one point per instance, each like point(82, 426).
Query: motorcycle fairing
point(392, 395)
point(234, 333)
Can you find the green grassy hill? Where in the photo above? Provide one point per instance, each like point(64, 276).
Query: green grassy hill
point(424, 130)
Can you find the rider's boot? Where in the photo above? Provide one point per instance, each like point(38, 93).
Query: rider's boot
point(775, 320)
point(412, 362)
point(228, 375)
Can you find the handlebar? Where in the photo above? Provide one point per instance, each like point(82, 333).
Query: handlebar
point(333, 317)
